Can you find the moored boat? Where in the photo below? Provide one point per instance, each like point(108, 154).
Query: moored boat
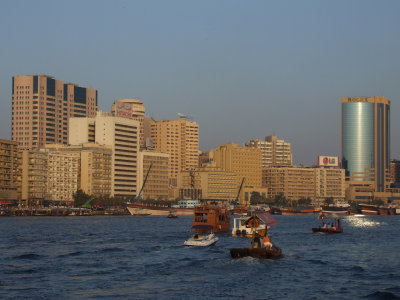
point(156, 210)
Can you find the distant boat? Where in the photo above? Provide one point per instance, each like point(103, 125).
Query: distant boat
point(172, 215)
point(330, 223)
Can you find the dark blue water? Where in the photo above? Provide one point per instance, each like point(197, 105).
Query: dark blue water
point(126, 257)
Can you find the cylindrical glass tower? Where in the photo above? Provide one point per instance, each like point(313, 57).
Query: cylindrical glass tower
point(366, 139)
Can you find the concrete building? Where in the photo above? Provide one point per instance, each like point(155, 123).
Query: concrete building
point(134, 109)
point(295, 183)
point(122, 135)
point(274, 152)
point(243, 161)
point(179, 139)
point(366, 142)
point(41, 107)
point(157, 184)
point(62, 176)
point(95, 164)
point(10, 175)
point(34, 177)
point(208, 183)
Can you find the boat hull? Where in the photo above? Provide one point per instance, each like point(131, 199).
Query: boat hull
point(263, 252)
point(138, 209)
point(326, 230)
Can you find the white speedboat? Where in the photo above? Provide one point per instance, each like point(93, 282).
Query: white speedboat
point(201, 240)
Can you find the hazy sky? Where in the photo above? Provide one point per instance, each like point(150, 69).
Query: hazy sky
point(243, 69)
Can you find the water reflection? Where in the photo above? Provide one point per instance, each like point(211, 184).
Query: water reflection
point(363, 221)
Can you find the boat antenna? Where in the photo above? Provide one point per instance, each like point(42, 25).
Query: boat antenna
point(240, 189)
point(139, 195)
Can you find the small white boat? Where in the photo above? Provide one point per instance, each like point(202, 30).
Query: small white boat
point(201, 240)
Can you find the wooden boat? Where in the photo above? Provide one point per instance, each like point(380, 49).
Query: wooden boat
point(200, 240)
point(330, 224)
point(248, 226)
point(263, 252)
point(213, 218)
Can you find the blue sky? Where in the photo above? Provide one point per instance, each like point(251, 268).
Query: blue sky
point(243, 69)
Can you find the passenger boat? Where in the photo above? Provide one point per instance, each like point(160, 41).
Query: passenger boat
point(211, 217)
point(263, 252)
point(330, 223)
point(200, 240)
point(248, 226)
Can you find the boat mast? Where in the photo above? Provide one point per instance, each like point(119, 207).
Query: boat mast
point(238, 194)
point(139, 195)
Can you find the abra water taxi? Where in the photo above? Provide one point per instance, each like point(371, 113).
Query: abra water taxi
point(330, 223)
point(248, 226)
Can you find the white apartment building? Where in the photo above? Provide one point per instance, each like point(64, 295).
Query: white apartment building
point(122, 134)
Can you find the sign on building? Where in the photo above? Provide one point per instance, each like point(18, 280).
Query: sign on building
point(328, 161)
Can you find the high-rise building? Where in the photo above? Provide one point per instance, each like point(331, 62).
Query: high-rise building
point(366, 141)
point(274, 152)
point(122, 134)
point(10, 171)
point(179, 139)
point(41, 107)
point(134, 109)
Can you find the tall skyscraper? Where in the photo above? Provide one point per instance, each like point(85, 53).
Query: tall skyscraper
point(41, 107)
point(274, 152)
point(366, 140)
point(122, 134)
point(180, 139)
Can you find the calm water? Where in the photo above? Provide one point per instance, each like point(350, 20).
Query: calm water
point(126, 257)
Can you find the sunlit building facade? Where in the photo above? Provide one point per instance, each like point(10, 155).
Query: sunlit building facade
point(366, 141)
point(41, 107)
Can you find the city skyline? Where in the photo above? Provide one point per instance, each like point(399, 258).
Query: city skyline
point(244, 71)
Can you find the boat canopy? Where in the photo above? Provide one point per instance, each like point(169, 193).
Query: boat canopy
point(202, 226)
point(267, 218)
point(331, 216)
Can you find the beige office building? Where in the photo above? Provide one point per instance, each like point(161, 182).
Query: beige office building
point(122, 134)
point(94, 170)
point(134, 109)
point(157, 183)
point(243, 161)
point(10, 175)
point(296, 183)
point(41, 107)
point(275, 152)
point(209, 183)
point(62, 176)
point(34, 177)
point(179, 139)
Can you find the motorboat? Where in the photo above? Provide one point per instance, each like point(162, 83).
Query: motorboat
point(172, 215)
point(201, 240)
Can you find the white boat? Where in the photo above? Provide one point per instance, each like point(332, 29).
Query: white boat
point(200, 240)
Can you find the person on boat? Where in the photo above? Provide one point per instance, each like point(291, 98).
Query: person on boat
point(256, 243)
point(267, 241)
